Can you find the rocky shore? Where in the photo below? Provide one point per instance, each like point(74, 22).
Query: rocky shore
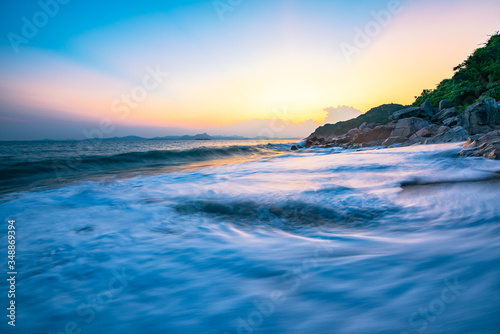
point(478, 125)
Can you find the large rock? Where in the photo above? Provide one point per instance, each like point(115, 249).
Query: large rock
point(408, 126)
point(426, 110)
point(444, 114)
point(456, 133)
point(315, 141)
point(452, 121)
point(444, 104)
point(442, 130)
point(481, 117)
point(487, 146)
point(405, 113)
point(425, 132)
point(394, 140)
point(380, 132)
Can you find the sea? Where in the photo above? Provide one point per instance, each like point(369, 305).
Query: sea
point(248, 237)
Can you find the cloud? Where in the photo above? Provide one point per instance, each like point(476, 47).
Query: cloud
point(341, 113)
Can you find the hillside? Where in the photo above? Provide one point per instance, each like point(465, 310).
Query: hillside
point(476, 78)
point(379, 115)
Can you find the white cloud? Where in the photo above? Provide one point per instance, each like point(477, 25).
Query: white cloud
point(341, 113)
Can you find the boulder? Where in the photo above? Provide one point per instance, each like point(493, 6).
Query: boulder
point(352, 133)
point(487, 146)
point(456, 133)
point(426, 110)
point(378, 133)
point(444, 114)
point(405, 113)
point(408, 126)
point(394, 140)
point(444, 104)
point(452, 121)
point(294, 148)
point(425, 132)
point(314, 141)
point(481, 116)
point(442, 130)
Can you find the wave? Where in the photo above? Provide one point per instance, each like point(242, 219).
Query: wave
point(288, 214)
point(21, 172)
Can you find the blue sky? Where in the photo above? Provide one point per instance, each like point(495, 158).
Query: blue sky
point(262, 56)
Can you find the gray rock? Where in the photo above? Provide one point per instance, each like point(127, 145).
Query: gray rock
point(394, 140)
point(425, 132)
point(380, 132)
point(408, 126)
point(481, 116)
point(457, 133)
point(294, 148)
point(442, 130)
point(452, 121)
point(487, 146)
point(445, 104)
point(444, 114)
point(353, 133)
point(405, 113)
point(416, 141)
point(426, 110)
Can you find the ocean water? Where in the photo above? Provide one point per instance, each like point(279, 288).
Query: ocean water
point(249, 237)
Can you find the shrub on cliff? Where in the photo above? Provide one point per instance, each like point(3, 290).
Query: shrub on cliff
point(477, 77)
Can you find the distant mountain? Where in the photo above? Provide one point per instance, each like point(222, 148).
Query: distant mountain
point(202, 136)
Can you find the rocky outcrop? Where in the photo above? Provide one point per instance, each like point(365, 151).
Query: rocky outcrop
point(481, 117)
point(405, 113)
point(426, 125)
point(394, 140)
point(452, 121)
point(455, 134)
point(444, 114)
point(426, 110)
point(408, 126)
point(444, 104)
point(487, 146)
point(428, 131)
point(377, 133)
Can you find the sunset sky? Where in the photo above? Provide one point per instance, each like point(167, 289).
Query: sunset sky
point(231, 68)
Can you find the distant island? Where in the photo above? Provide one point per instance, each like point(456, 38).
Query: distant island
point(463, 108)
point(202, 136)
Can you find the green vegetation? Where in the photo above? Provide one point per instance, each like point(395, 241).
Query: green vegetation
point(476, 78)
point(376, 115)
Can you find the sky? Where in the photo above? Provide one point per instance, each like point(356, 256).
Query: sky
point(73, 69)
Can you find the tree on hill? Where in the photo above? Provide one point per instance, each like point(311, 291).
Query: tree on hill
point(476, 78)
